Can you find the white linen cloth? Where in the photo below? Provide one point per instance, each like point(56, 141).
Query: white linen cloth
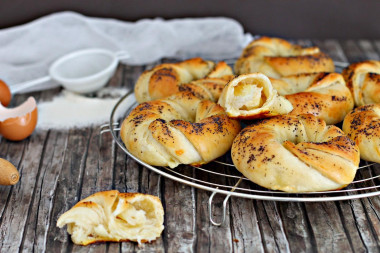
point(27, 51)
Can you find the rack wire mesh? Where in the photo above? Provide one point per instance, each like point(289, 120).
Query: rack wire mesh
point(221, 176)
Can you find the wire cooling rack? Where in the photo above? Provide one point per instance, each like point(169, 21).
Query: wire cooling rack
point(221, 176)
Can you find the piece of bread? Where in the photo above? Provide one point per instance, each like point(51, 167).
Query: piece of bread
point(362, 125)
point(277, 58)
point(252, 96)
point(113, 216)
point(324, 95)
point(166, 79)
point(295, 154)
point(363, 79)
point(181, 129)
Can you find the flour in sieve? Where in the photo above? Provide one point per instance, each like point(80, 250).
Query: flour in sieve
point(70, 110)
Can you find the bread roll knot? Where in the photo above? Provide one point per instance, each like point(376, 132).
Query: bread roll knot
point(295, 154)
point(181, 129)
point(276, 58)
point(324, 95)
point(363, 126)
point(363, 80)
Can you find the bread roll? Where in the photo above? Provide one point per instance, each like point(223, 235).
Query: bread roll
point(363, 80)
point(324, 95)
point(362, 125)
point(114, 216)
point(181, 129)
point(277, 58)
point(295, 154)
point(166, 79)
point(252, 96)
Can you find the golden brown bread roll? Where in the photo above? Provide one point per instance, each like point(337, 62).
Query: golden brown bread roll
point(295, 154)
point(324, 95)
point(166, 79)
point(114, 216)
point(181, 129)
point(276, 58)
point(362, 125)
point(252, 96)
point(363, 79)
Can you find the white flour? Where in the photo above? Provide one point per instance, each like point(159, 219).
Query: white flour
point(70, 110)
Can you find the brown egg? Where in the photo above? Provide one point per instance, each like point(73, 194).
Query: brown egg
point(18, 123)
point(5, 94)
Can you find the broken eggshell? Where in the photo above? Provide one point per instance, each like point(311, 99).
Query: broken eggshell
point(18, 123)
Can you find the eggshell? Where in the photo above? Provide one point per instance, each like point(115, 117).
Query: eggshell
point(18, 123)
point(5, 94)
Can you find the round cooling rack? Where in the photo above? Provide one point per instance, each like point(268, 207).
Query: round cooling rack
point(221, 176)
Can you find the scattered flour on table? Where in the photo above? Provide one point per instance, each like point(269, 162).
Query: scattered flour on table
point(70, 110)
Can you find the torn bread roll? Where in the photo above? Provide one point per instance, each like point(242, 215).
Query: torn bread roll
point(113, 216)
point(252, 96)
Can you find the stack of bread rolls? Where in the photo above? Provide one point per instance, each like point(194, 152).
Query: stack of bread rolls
point(292, 94)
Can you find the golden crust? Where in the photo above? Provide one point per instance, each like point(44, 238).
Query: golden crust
point(181, 129)
point(113, 216)
point(276, 58)
point(166, 79)
point(295, 154)
point(362, 125)
point(324, 95)
point(363, 80)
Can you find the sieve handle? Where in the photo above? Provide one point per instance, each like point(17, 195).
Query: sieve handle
point(25, 85)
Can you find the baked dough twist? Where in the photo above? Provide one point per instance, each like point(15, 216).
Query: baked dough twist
point(362, 125)
point(363, 80)
point(252, 96)
point(114, 216)
point(295, 154)
point(324, 95)
point(276, 58)
point(162, 132)
point(166, 79)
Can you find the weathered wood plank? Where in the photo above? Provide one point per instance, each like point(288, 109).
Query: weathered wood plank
point(211, 238)
point(40, 218)
point(368, 50)
point(332, 48)
point(18, 210)
point(179, 205)
point(245, 226)
point(68, 188)
point(327, 227)
point(296, 226)
point(352, 51)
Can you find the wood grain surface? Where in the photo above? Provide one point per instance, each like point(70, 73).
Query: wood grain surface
point(58, 168)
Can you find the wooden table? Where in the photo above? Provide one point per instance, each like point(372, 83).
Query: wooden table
point(58, 168)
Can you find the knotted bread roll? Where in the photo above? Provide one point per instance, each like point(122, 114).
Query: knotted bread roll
point(252, 96)
point(295, 154)
point(362, 125)
point(324, 95)
point(166, 79)
point(114, 216)
point(363, 79)
point(181, 129)
point(276, 58)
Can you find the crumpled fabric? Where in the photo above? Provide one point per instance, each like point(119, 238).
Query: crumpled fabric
point(27, 51)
